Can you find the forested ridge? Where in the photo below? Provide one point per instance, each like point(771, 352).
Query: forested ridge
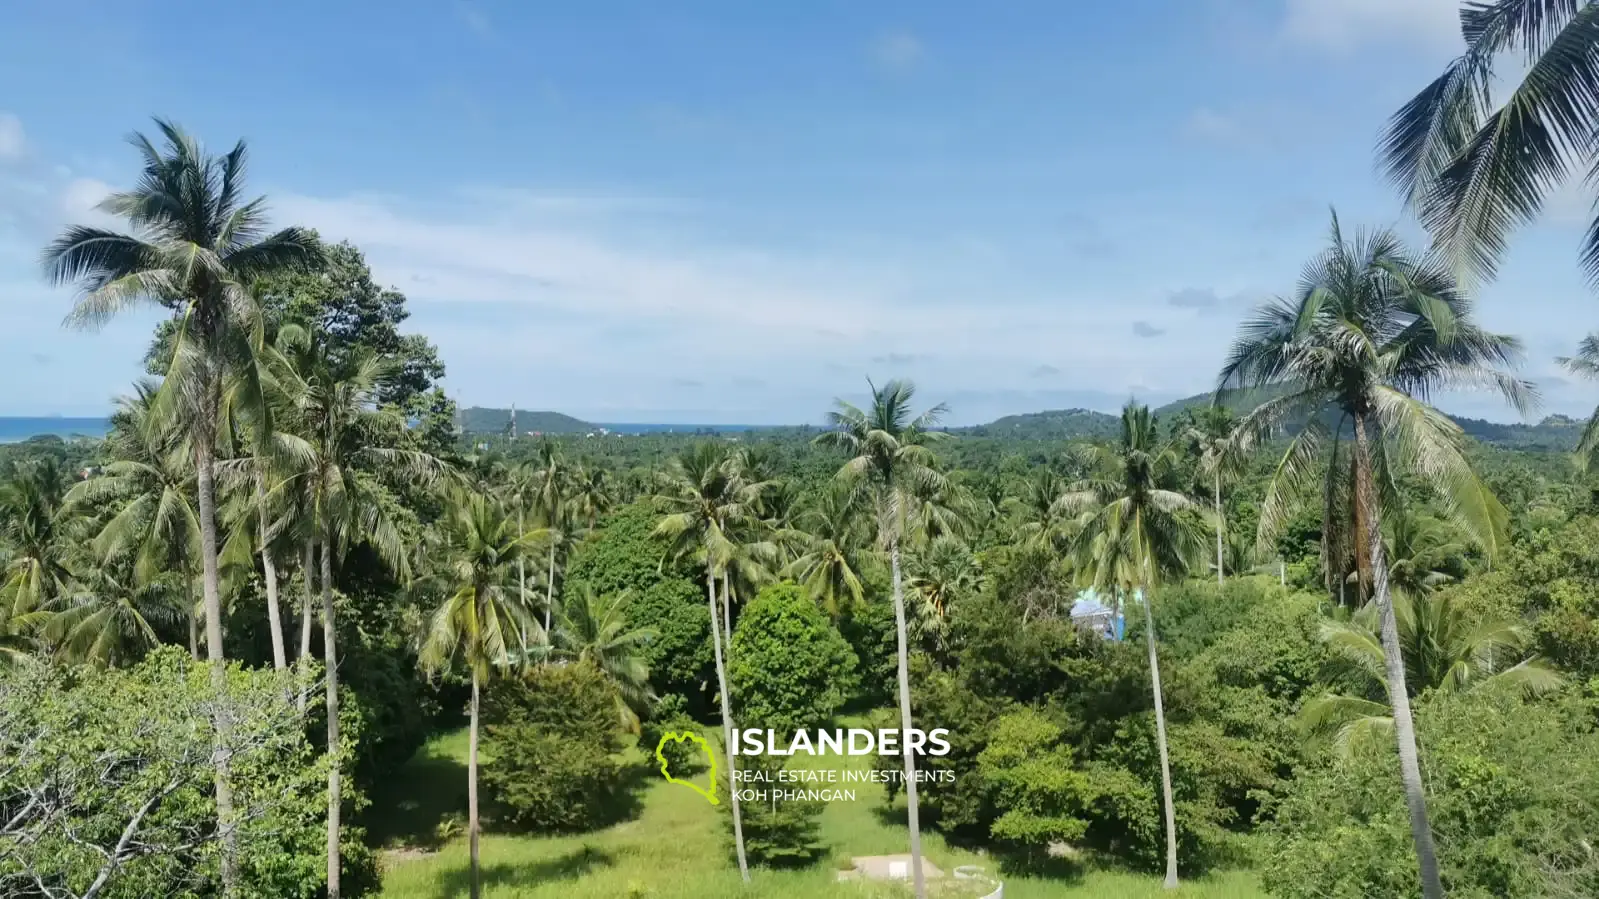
point(298, 626)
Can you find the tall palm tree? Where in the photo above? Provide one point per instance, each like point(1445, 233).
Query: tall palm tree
point(197, 247)
point(1421, 549)
point(333, 403)
point(484, 616)
point(1585, 364)
point(889, 456)
point(834, 552)
point(145, 497)
point(1134, 533)
point(704, 500)
point(594, 629)
point(1373, 331)
point(1212, 436)
point(1473, 172)
point(550, 499)
point(1445, 649)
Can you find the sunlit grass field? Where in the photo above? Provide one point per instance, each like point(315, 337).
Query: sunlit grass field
point(676, 849)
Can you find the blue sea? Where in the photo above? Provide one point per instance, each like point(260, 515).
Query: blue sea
point(15, 430)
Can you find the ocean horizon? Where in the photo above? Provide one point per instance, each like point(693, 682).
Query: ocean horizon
point(15, 429)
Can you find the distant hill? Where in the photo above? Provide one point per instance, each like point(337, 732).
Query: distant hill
point(478, 420)
point(1556, 433)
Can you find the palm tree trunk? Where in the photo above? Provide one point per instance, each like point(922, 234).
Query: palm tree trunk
point(1220, 578)
point(331, 663)
point(727, 616)
point(471, 790)
point(727, 725)
point(194, 636)
point(280, 659)
point(912, 806)
point(1160, 739)
point(1394, 667)
point(549, 597)
point(521, 563)
point(212, 592)
point(308, 568)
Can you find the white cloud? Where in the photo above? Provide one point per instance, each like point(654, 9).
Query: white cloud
point(898, 51)
point(1208, 124)
point(1342, 25)
point(12, 141)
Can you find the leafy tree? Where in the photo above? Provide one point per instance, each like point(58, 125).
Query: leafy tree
point(552, 736)
point(106, 778)
point(1134, 535)
point(1031, 773)
point(197, 251)
point(887, 446)
point(1373, 331)
point(483, 617)
point(791, 669)
point(781, 833)
point(623, 557)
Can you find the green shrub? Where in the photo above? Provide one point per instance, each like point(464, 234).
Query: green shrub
point(778, 833)
point(790, 667)
point(671, 716)
point(1510, 792)
point(551, 737)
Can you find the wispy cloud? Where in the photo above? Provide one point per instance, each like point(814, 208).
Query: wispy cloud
point(12, 140)
point(1343, 25)
point(898, 51)
point(475, 19)
point(1145, 329)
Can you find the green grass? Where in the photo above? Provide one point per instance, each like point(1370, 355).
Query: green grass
point(676, 849)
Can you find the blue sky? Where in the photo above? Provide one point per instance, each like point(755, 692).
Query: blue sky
point(733, 212)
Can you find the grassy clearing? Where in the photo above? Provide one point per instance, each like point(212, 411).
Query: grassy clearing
point(675, 849)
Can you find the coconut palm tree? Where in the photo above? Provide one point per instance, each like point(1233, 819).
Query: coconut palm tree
point(484, 616)
point(939, 574)
point(1134, 534)
point(1445, 649)
point(834, 551)
point(31, 524)
point(1211, 435)
point(106, 620)
point(594, 629)
point(197, 247)
point(1373, 331)
point(551, 491)
point(889, 456)
point(1035, 508)
point(704, 500)
point(1473, 172)
point(35, 568)
point(1585, 364)
point(144, 499)
point(332, 401)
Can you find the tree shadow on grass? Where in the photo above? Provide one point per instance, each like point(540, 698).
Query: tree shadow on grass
point(408, 807)
point(571, 866)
